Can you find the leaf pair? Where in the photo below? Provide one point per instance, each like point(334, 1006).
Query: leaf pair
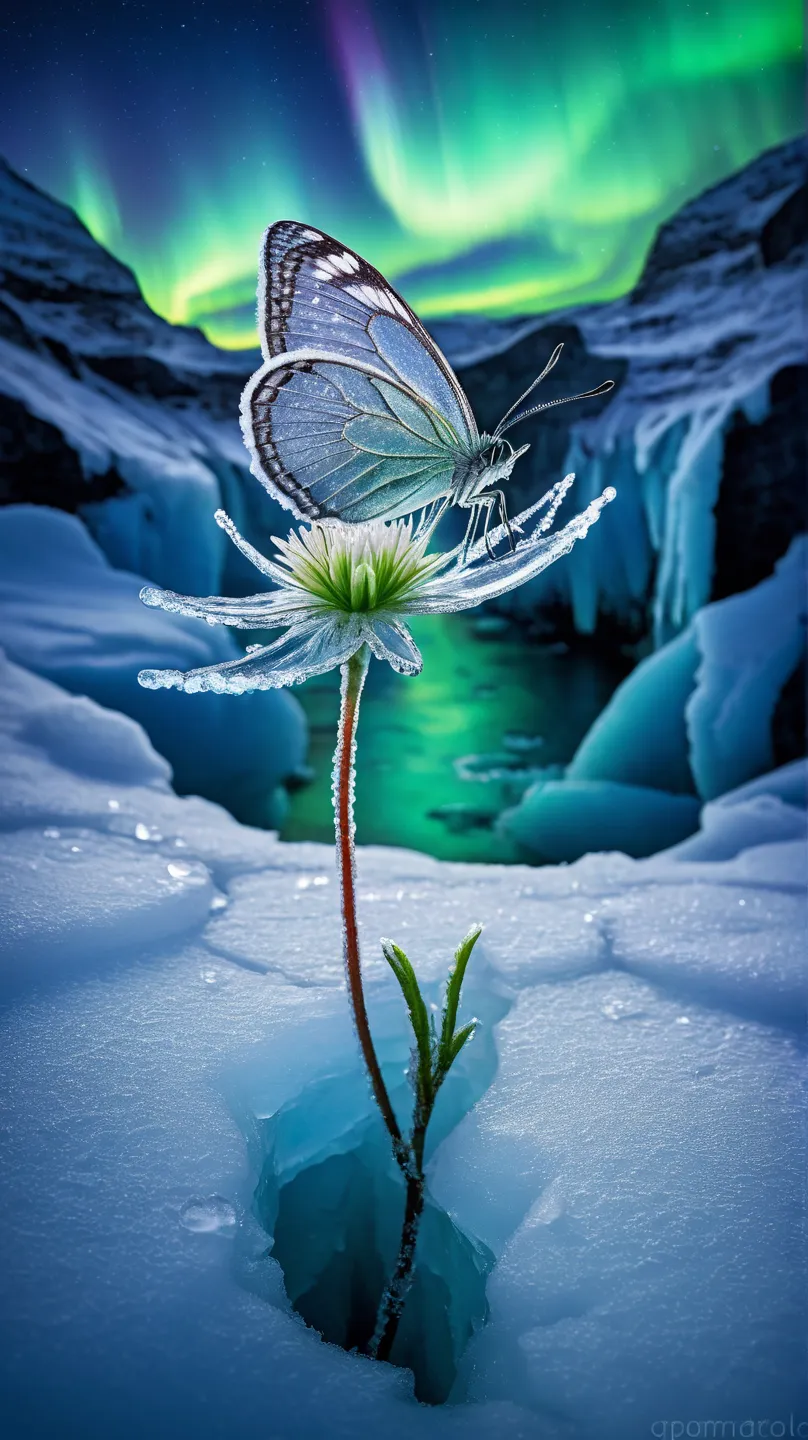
point(435, 1052)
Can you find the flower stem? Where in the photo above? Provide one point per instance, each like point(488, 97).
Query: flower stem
point(353, 674)
point(408, 1156)
point(395, 1294)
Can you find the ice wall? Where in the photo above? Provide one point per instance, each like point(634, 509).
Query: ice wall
point(715, 322)
point(692, 722)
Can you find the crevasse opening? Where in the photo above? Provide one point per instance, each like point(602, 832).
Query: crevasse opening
point(331, 1199)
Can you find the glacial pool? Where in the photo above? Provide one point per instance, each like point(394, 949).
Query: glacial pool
point(444, 752)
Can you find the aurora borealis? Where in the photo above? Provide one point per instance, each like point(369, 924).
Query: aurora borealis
point(489, 157)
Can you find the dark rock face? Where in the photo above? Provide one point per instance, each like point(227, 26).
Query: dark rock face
point(762, 501)
point(36, 465)
point(787, 229)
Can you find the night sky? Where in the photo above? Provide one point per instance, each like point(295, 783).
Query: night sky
point(488, 156)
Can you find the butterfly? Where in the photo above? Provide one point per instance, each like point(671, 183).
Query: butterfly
point(355, 414)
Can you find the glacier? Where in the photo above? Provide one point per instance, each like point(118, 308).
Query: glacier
point(621, 1144)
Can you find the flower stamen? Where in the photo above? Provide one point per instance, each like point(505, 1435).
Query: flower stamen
point(357, 569)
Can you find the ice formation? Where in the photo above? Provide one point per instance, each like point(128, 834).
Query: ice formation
point(65, 613)
point(750, 645)
point(172, 981)
point(690, 723)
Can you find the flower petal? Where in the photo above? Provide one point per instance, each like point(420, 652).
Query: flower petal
point(462, 589)
point(266, 567)
point(249, 612)
point(305, 650)
point(391, 640)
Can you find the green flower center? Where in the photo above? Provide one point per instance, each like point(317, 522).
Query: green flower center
point(357, 569)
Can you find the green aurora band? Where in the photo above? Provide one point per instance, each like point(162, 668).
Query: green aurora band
point(499, 172)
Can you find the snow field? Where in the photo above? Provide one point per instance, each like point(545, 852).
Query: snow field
point(629, 1156)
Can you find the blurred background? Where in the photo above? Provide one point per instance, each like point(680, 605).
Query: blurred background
point(623, 176)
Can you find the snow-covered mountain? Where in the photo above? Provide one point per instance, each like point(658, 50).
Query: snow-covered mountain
point(108, 410)
point(703, 436)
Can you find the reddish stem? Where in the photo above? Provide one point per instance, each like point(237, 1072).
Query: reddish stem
point(353, 679)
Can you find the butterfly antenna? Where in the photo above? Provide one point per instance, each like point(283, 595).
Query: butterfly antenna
point(546, 371)
point(565, 400)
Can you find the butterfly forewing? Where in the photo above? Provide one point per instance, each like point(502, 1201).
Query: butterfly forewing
point(355, 413)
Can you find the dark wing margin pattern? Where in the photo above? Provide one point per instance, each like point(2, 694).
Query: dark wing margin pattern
point(272, 472)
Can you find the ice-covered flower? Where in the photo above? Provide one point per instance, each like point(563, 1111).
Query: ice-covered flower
point(341, 586)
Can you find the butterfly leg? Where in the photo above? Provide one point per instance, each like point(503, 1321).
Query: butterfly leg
point(479, 504)
point(432, 517)
point(503, 515)
point(489, 502)
point(471, 530)
point(424, 520)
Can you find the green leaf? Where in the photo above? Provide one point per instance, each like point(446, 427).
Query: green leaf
point(459, 1040)
point(419, 1018)
point(446, 1055)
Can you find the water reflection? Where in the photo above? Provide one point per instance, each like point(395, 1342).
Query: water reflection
point(444, 753)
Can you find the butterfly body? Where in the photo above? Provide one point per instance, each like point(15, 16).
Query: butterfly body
point(486, 467)
point(355, 413)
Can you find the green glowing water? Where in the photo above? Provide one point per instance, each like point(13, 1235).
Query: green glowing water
point(484, 691)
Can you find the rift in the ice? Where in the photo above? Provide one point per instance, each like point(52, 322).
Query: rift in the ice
point(331, 1197)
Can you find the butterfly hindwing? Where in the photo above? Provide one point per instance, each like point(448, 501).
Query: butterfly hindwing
point(327, 440)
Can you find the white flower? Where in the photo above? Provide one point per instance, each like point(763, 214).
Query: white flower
point(342, 586)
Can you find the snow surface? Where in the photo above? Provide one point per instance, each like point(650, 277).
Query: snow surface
point(170, 979)
point(693, 719)
point(65, 613)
